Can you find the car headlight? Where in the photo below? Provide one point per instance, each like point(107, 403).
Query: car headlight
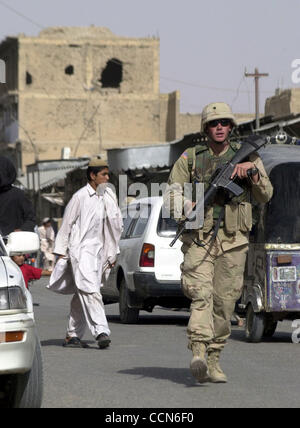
point(12, 298)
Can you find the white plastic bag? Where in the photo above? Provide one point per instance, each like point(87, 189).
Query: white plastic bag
point(61, 279)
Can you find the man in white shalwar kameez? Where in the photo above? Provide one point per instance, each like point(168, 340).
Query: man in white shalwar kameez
point(87, 242)
point(47, 239)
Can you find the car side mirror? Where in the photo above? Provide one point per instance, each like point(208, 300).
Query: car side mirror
point(22, 243)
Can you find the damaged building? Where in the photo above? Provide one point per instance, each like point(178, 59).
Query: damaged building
point(85, 89)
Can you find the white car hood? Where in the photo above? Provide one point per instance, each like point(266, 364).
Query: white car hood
point(10, 273)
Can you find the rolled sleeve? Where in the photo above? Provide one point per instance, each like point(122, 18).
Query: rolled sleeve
point(262, 191)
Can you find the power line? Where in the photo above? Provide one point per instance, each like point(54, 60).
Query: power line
point(196, 85)
point(21, 15)
point(237, 92)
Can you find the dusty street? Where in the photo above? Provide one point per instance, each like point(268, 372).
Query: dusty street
point(147, 365)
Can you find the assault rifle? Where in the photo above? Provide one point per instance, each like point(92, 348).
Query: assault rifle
point(221, 179)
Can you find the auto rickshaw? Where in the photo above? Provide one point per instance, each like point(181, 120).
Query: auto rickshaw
point(272, 275)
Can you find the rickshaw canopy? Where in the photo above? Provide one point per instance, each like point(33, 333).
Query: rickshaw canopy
point(282, 219)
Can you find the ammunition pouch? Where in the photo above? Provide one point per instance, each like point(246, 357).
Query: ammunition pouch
point(238, 217)
point(245, 217)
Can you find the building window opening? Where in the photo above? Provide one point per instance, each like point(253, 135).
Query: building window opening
point(69, 70)
point(28, 78)
point(112, 74)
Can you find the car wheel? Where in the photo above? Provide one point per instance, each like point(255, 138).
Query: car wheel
point(28, 387)
point(255, 325)
point(127, 315)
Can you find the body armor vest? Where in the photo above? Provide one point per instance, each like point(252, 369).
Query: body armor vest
point(202, 165)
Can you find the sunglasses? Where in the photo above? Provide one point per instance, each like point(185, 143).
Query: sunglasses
point(223, 122)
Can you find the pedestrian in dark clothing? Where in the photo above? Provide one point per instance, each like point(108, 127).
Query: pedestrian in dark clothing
point(16, 210)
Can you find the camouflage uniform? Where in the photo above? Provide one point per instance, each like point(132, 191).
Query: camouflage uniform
point(212, 276)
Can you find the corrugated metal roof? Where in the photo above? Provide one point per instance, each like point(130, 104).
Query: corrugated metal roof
point(45, 178)
point(46, 173)
point(149, 157)
point(57, 164)
point(270, 125)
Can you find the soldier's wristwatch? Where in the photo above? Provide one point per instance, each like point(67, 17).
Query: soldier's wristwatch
point(253, 171)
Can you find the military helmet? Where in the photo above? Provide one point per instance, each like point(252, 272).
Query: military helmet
point(216, 111)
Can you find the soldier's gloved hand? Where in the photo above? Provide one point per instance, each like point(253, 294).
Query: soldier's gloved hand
point(241, 170)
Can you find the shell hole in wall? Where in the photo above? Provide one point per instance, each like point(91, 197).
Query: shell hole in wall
point(69, 70)
point(28, 78)
point(112, 75)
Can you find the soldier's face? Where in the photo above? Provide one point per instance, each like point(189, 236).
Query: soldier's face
point(218, 131)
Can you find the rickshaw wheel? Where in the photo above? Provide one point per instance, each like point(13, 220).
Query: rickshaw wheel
point(254, 326)
point(270, 327)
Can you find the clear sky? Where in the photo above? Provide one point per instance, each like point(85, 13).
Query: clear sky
point(205, 46)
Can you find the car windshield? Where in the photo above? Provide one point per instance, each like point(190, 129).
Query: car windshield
point(283, 212)
point(166, 226)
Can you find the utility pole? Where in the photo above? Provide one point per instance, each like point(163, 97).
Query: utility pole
point(256, 76)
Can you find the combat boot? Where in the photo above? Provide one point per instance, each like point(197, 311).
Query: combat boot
point(216, 374)
point(198, 364)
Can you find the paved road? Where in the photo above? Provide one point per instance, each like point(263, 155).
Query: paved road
point(147, 365)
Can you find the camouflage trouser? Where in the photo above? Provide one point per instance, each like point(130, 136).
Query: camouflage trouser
point(213, 280)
